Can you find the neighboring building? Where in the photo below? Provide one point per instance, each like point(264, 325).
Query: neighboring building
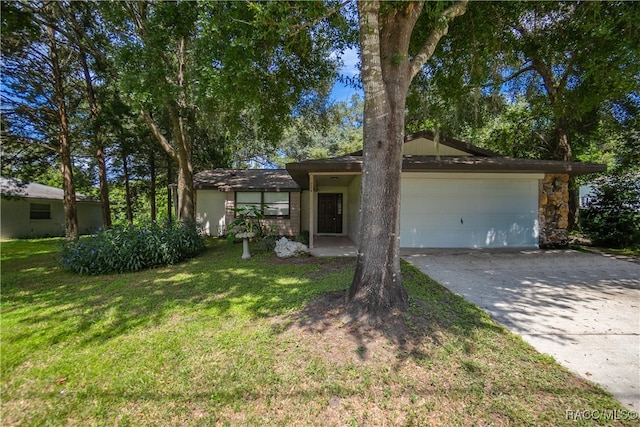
point(452, 195)
point(36, 210)
point(586, 195)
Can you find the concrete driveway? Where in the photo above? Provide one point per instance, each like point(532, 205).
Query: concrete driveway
point(581, 308)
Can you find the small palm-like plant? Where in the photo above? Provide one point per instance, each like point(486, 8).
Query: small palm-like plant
point(247, 223)
point(246, 226)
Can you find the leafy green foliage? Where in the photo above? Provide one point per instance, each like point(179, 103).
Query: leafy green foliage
point(488, 75)
point(122, 249)
point(322, 132)
point(248, 222)
point(613, 215)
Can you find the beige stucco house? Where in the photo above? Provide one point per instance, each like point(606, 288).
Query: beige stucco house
point(219, 191)
point(453, 194)
point(36, 210)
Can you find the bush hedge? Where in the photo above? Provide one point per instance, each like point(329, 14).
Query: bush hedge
point(121, 249)
point(612, 216)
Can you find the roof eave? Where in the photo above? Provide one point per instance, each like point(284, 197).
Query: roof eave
point(300, 171)
point(573, 169)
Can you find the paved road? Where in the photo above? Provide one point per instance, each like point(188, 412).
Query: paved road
point(581, 308)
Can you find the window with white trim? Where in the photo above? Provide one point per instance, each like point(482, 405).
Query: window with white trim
point(272, 204)
point(39, 211)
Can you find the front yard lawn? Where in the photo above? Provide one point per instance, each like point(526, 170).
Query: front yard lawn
point(220, 341)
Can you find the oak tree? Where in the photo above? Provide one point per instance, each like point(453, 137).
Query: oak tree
point(388, 67)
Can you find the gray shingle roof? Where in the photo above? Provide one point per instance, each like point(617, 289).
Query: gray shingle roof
point(245, 179)
point(12, 187)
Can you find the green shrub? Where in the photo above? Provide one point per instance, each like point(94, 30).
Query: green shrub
point(303, 237)
point(612, 217)
point(121, 249)
point(267, 243)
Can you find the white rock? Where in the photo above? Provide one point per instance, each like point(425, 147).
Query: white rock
point(286, 248)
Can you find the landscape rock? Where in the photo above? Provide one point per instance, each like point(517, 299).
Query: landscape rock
point(286, 248)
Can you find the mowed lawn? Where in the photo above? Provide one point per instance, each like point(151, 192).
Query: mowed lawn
point(221, 341)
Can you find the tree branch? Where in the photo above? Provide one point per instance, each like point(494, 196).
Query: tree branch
point(314, 22)
point(158, 134)
point(429, 46)
point(548, 78)
point(567, 72)
point(511, 77)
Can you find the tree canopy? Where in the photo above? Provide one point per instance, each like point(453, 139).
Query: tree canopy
point(551, 70)
point(215, 85)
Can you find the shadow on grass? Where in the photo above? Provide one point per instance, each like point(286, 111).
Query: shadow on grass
point(93, 309)
point(474, 360)
point(451, 347)
point(39, 298)
point(433, 311)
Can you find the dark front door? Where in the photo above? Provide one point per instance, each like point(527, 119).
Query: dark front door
point(330, 213)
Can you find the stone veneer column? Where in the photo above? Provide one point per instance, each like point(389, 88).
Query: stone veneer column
point(553, 210)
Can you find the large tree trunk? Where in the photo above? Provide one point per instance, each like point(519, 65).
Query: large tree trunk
point(177, 111)
point(186, 205)
point(377, 284)
point(387, 71)
point(127, 187)
point(182, 156)
point(97, 144)
point(182, 151)
point(66, 164)
point(152, 190)
point(565, 153)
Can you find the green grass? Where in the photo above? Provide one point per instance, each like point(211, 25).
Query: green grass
point(220, 341)
point(626, 251)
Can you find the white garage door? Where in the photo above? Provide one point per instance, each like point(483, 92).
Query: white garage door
point(472, 211)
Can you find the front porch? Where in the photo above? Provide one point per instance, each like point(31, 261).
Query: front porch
point(332, 205)
point(333, 246)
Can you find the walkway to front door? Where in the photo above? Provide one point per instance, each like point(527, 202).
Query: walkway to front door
point(333, 246)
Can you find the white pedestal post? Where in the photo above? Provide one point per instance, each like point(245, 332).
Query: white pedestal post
point(245, 249)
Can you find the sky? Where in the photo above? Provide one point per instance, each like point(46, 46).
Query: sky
point(350, 69)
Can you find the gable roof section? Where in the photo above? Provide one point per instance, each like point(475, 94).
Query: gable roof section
point(300, 170)
point(245, 180)
point(11, 187)
point(451, 146)
point(456, 144)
